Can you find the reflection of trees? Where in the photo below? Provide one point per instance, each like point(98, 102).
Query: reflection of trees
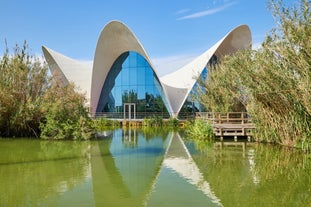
point(32, 171)
point(262, 176)
point(150, 103)
point(129, 97)
point(157, 132)
point(154, 103)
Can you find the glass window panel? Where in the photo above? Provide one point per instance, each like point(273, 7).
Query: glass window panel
point(149, 77)
point(133, 76)
point(125, 95)
point(133, 95)
point(141, 62)
point(141, 92)
point(155, 91)
point(132, 60)
point(141, 106)
point(117, 95)
point(113, 92)
point(126, 63)
point(149, 89)
point(118, 80)
point(125, 76)
point(141, 76)
point(134, 82)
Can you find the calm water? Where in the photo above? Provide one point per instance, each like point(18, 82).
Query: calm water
point(135, 168)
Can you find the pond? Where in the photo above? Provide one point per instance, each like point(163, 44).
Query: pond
point(151, 168)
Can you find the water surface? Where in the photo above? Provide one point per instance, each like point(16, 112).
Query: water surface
point(151, 168)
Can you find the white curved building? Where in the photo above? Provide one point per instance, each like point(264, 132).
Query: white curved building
point(122, 79)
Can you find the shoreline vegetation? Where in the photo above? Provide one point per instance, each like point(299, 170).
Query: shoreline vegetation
point(32, 104)
point(272, 83)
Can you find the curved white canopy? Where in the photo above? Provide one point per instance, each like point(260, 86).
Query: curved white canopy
point(68, 70)
point(178, 84)
point(116, 39)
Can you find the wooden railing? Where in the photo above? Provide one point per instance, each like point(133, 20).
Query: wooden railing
point(225, 117)
point(120, 115)
point(231, 124)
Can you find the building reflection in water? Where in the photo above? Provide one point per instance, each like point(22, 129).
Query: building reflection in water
point(157, 171)
point(129, 137)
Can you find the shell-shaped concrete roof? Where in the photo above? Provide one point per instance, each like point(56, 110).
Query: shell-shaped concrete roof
point(116, 39)
point(178, 84)
point(67, 70)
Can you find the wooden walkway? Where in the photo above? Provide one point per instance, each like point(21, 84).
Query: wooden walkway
point(231, 124)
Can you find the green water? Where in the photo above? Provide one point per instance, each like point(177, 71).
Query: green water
point(136, 168)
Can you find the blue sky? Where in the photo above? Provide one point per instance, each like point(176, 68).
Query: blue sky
point(171, 31)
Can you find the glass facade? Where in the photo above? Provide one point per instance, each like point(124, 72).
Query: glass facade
point(131, 81)
point(191, 104)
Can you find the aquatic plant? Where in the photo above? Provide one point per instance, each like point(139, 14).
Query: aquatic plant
point(102, 124)
point(154, 121)
point(199, 129)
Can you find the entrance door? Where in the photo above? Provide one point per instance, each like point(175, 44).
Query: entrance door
point(129, 111)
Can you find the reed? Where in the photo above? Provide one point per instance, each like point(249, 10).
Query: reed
point(272, 83)
point(32, 104)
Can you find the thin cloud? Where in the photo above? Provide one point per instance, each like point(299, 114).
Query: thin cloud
point(168, 64)
point(207, 12)
point(182, 11)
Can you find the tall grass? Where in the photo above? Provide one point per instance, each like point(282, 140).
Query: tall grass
point(199, 129)
point(272, 83)
point(33, 105)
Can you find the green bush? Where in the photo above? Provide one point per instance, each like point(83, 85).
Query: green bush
point(154, 121)
point(172, 123)
point(65, 116)
point(103, 124)
point(23, 81)
point(199, 130)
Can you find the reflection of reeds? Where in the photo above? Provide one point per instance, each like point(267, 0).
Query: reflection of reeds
point(273, 161)
point(265, 175)
point(272, 83)
point(33, 170)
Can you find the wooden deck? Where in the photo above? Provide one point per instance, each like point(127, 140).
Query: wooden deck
point(232, 124)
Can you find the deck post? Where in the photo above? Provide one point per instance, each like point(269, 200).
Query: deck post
point(234, 124)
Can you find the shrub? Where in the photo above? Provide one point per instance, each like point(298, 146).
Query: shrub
point(23, 81)
point(103, 124)
point(199, 129)
point(65, 116)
